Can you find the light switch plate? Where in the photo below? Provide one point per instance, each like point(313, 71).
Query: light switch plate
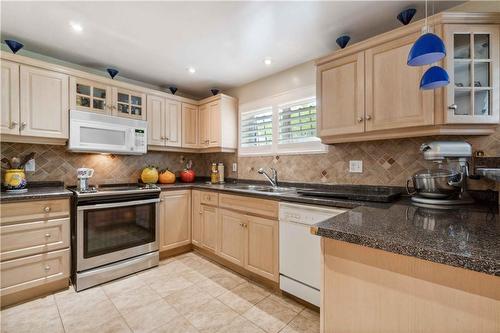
point(356, 166)
point(235, 167)
point(30, 166)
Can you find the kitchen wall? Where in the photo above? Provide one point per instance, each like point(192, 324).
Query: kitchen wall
point(386, 162)
point(56, 163)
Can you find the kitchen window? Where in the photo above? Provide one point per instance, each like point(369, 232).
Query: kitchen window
point(282, 124)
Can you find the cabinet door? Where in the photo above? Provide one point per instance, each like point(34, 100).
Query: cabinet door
point(9, 117)
point(189, 126)
point(86, 95)
point(173, 123)
point(214, 127)
point(231, 236)
point(209, 227)
point(175, 219)
point(473, 65)
point(261, 255)
point(196, 217)
point(393, 95)
point(129, 104)
point(44, 103)
point(341, 91)
point(156, 120)
point(204, 125)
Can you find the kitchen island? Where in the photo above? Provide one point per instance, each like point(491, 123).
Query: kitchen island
point(402, 268)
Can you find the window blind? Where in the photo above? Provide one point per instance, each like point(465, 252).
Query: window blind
point(257, 128)
point(297, 122)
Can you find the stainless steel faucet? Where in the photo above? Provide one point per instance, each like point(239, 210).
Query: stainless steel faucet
point(273, 179)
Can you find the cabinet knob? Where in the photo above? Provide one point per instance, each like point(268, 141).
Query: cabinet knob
point(166, 138)
point(453, 107)
point(23, 125)
point(47, 235)
point(47, 268)
point(13, 124)
point(360, 119)
point(46, 209)
point(368, 117)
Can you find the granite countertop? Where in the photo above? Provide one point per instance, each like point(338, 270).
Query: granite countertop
point(466, 237)
point(45, 190)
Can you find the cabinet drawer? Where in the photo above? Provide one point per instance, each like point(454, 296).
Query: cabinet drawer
point(24, 239)
point(28, 272)
point(249, 205)
point(34, 210)
point(210, 198)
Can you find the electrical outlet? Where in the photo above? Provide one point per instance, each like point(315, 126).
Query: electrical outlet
point(30, 166)
point(235, 167)
point(356, 166)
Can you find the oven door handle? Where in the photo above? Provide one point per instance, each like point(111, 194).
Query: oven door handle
point(118, 204)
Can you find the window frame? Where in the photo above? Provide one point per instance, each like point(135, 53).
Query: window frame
point(276, 102)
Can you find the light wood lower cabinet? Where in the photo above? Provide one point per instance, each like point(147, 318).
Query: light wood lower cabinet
point(175, 219)
point(34, 248)
point(209, 227)
point(261, 255)
point(231, 236)
point(196, 217)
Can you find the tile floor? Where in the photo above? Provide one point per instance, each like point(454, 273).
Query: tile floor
point(184, 294)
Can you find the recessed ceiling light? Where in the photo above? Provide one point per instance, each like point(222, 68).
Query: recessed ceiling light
point(76, 26)
point(268, 61)
point(191, 70)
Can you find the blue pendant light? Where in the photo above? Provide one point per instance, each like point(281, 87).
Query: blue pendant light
point(428, 48)
point(434, 77)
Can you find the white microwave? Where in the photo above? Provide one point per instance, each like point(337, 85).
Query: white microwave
point(97, 133)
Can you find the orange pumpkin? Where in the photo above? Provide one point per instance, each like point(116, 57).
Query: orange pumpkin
point(167, 177)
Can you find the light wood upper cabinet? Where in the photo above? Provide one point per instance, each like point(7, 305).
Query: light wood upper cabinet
point(341, 96)
point(204, 121)
point(44, 103)
point(473, 63)
point(190, 126)
point(164, 121)
point(87, 95)
point(209, 227)
point(196, 217)
point(129, 103)
point(9, 117)
point(393, 95)
point(231, 236)
point(175, 219)
point(262, 247)
point(218, 123)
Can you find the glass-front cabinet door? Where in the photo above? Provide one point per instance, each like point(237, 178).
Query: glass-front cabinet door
point(88, 95)
point(472, 61)
point(127, 103)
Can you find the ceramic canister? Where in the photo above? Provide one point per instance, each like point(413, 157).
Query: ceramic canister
point(15, 179)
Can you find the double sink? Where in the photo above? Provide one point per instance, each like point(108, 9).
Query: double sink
point(261, 188)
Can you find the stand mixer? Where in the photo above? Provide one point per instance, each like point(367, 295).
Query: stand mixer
point(447, 184)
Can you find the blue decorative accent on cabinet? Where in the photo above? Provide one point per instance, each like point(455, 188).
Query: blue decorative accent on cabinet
point(112, 72)
point(428, 49)
point(433, 78)
point(343, 40)
point(14, 45)
point(173, 89)
point(406, 15)
point(214, 91)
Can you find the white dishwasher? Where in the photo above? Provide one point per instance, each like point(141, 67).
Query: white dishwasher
point(300, 251)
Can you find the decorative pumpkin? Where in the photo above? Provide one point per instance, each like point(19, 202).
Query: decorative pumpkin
point(149, 175)
point(187, 175)
point(167, 177)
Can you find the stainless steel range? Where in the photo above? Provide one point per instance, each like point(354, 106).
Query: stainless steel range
point(115, 232)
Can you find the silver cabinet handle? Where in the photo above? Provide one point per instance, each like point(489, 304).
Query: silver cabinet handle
point(12, 124)
point(46, 209)
point(368, 117)
point(453, 107)
point(47, 268)
point(23, 125)
point(360, 119)
point(47, 235)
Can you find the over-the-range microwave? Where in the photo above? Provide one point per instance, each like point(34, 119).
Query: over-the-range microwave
point(97, 133)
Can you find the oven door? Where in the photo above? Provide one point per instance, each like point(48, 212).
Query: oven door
point(111, 232)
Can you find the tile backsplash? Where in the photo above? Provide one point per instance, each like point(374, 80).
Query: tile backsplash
point(56, 163)
point(386, 162)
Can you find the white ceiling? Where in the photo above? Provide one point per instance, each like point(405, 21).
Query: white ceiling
point(226, 42)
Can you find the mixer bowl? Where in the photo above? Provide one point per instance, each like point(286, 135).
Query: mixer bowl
point(437, 183)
